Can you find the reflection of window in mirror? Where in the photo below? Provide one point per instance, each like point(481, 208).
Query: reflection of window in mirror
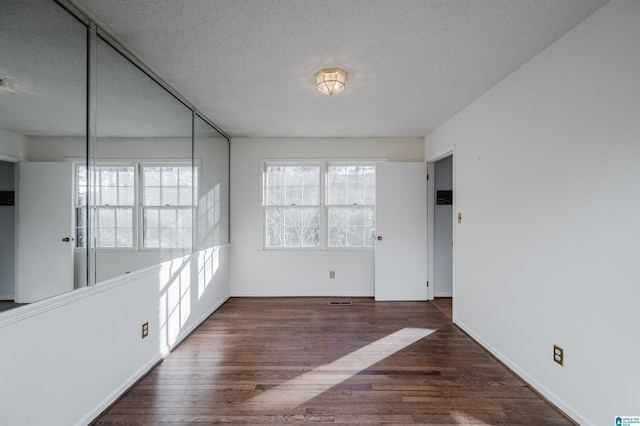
point(43, 100)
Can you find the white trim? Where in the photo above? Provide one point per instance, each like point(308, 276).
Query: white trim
point(52, 303)
point(531, 381)
point(142, 371)
point(450, 151)
point(11, 158)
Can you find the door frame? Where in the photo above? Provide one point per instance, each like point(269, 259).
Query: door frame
point(431, 196)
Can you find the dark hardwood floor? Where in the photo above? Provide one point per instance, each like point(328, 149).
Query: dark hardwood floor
point(300, 360)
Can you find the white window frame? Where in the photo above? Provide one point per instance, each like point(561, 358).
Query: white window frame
point(107, 163)
point(327, 206)
point(138, 206)
point(141, 203)
point(324, 229)
point(265, 207)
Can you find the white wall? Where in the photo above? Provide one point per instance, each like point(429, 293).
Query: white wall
point(213, 186)
point(64, 360)
point(258, 272)
point(13, 147)
point(547, 180)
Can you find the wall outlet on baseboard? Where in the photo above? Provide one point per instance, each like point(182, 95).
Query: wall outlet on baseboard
point(332, 274)
point(558, 354)
point(145, 330)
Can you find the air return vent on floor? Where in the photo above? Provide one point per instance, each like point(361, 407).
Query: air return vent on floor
point(340, 303)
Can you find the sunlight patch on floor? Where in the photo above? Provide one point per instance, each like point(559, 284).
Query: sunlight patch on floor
point(297, 391)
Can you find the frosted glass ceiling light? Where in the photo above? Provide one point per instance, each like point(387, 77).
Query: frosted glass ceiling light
point(331, 80)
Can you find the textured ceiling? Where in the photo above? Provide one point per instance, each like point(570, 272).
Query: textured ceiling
point(248, 65)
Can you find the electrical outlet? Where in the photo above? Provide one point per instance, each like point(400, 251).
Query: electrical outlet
point(558, 355)
point(145, 330)
point(332, 274)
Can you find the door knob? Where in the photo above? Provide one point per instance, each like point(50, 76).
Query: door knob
point(67, 239)
point(379, 237)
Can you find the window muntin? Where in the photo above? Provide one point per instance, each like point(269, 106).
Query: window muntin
point(319, 205)
point(167, 214)
point(113, 192)
point(292, 205)
point(165, 211)
point(351, 199)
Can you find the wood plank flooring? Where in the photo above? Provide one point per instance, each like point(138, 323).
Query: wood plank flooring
point(300, 360)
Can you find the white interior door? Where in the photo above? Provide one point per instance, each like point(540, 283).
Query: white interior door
point(45, 230)
point(401, 224)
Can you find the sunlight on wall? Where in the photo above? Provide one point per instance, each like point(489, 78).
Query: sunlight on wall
point(209, 216)
point(208, 261)
point(175, 299)
point(309, 385)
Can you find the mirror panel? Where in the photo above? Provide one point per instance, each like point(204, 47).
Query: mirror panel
point(141, 171)
point(149, 183)
point(211, 152)
point(43, 100)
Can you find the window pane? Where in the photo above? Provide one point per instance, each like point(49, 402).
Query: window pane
point(168, 218)
point(311, 195)
point(169, 176)
point(184, 176)
point(108, 176)
point(124, 218)
point(151, 218)
point(152, 197)
point(151, 238)
point(106, 237)
point(152, 176)
point(106, 217)
point(108, 196)
point(167, 237)
point(126, 196)
point(294, 195)
point(184, 218)
point(126, 176)
point(169, 196)
point(276, 196)
point(124, 237)
point(185, 196)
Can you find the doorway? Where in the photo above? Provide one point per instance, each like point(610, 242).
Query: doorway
point(7, 230)
point(441, 201)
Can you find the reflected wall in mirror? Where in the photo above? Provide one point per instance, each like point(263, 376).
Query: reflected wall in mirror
point(148, 184)
point(140, 173)
point(212, 211)
point(42, 112)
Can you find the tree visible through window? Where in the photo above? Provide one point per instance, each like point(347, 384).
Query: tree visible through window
point(167, 213)
point(351, 193)
point(113, 193)
point(301, 208)
point(292, 206)
point(161, 218)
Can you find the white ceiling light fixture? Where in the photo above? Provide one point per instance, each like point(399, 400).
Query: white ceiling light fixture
point(330, 81)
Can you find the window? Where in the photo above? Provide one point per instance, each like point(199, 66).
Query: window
point(114, 192)
point(319, 205)
point(167, 214)
point(351, 200)
point(292, 206)
point(164, 211)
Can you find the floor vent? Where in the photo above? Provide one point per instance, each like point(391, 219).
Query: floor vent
point(341, 303)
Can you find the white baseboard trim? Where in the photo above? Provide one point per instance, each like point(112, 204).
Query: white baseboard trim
point(314, 294)
point(539, 387)
point(142, 371)
point(113, 396)
point(7, 296)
